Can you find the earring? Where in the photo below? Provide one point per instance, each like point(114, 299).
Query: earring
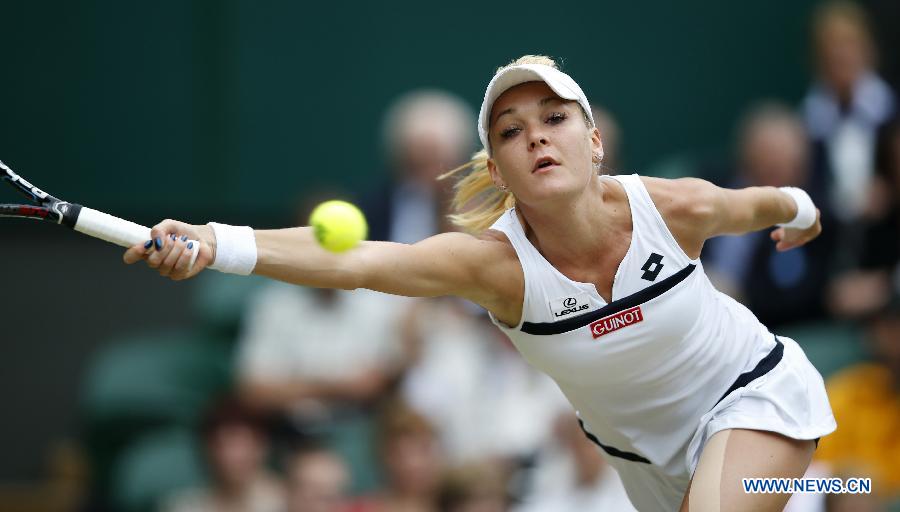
point(596, 160)
point(503, 188)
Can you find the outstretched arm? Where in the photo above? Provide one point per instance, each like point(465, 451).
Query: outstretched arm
point(445, 264)
point(696, 210)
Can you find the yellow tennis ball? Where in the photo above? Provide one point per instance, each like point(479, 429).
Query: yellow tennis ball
point(338, 225)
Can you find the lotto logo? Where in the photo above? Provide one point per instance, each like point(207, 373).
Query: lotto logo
point(615, 322)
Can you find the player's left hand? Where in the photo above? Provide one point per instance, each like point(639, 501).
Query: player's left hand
point(789, 238)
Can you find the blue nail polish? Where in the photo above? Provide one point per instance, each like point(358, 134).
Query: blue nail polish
point(184, 238)
point(174, 236)
point(149, 244)
point(190, 245)
point(158, 243)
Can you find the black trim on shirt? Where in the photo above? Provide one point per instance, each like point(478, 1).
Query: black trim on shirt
point(763, 367)
point(635, 299)
point(615, 452)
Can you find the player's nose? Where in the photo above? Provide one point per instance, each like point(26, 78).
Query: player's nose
point(537, 139)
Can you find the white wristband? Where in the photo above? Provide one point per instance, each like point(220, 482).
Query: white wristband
point(235, 249)
point(806, 210)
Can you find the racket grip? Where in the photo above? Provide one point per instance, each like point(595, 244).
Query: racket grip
point(110, 228)
point(117, 231)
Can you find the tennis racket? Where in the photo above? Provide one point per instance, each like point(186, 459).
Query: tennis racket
point(85, 220)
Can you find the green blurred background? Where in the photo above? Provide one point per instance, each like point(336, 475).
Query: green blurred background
point(231, 108)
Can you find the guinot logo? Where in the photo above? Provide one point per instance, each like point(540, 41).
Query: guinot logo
point(617, 321)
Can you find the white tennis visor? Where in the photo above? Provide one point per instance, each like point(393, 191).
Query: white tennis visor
point(561, 83)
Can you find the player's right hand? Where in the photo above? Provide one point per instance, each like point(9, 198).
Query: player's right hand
point(168, 250)
point(787, 238)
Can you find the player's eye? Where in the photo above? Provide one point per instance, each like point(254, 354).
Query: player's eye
point(556, 117)
point(509, 132)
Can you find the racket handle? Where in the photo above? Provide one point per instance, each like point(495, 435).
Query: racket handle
point(110, 228)
point(117, 231)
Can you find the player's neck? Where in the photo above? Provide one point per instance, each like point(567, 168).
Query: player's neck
point(575, 231)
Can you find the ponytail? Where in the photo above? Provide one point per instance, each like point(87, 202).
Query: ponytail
point(476, 200)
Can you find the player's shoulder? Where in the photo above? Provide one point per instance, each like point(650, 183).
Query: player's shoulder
point(686, 198)
point(484, 267)
point(489, 246)
point(495, 235)
point(487, 240)
point(481, 252)
point(502, 271)
point(688, 206)
point(682, 190)
point(499, 245)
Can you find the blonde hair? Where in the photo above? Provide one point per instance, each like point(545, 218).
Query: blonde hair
point(477, 203)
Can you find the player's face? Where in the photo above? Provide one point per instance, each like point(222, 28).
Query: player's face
point(541, 146)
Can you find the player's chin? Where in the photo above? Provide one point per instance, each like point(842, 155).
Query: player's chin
point(555, 190)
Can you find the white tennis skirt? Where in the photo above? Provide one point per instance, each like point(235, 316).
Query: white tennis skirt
point(789, 399)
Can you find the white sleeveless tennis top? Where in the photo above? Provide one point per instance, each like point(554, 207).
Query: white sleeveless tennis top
point(642, 370)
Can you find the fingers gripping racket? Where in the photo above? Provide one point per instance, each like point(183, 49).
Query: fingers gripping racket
point(75, 216)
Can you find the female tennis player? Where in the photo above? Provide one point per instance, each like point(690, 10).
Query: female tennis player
point(597, 280)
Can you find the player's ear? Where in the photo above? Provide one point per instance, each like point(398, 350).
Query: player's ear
point(597, 143)
point(495, 174)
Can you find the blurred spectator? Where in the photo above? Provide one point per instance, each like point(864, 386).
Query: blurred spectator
point(780, 287)
point(859, 292)
point(317, 481)
point(845, 110)
point(426, 133)
point(412, 461)
point(315, 353)
point(235, 446)
point(479, 487)
point(884, 15)
point(572, 475)
point(320, 360)
point(866, 403)
point(883, 248)
point(469, 380)
point(611, 135)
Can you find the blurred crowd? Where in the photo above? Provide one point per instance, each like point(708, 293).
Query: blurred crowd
point(356, 401)
point(839, 295)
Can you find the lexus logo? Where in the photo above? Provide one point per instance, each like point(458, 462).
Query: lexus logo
point(570, 302)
